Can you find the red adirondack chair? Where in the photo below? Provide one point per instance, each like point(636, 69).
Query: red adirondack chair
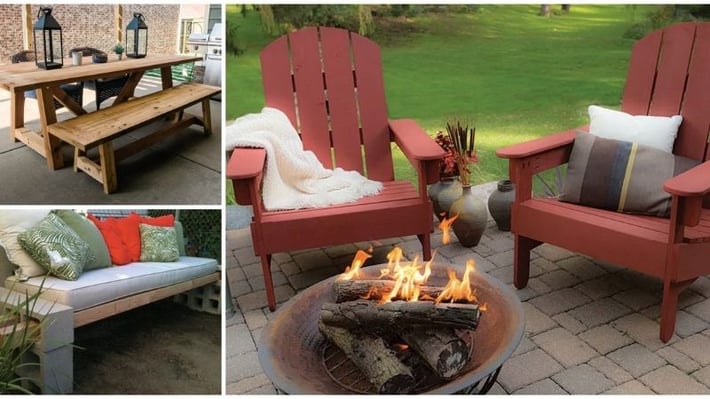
point(668, 74)
point(329, 83)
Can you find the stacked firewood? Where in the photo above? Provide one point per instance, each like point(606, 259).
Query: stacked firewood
point(372, 334)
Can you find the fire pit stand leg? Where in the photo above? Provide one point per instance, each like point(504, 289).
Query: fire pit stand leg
point(487, 384)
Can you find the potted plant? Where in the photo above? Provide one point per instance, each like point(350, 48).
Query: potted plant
point(444, 192)
point(470, 212)
point(118, 49)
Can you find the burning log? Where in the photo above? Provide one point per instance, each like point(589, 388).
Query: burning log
point(442, 349)
point(374, 290)
point(363, 314)
point(370, 354)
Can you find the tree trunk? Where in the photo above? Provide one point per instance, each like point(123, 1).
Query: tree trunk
point(442, 349)
point(367, 315)
point(566, 8)
point(369, 353)
point(545, 10)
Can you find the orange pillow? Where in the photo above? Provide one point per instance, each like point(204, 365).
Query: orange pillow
point(127, 229)
point(117, 249)
point(161, 221)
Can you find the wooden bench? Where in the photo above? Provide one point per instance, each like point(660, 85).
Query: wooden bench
point(100, 128)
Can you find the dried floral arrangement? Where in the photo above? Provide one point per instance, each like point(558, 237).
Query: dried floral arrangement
point(462, 136)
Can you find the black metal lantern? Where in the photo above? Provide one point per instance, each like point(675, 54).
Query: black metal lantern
point(137, 37)
point(48, 40)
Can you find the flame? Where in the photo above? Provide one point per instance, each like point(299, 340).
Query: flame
point(407, 276)
point(354, 269)
point(445, 226)
point(458, 290)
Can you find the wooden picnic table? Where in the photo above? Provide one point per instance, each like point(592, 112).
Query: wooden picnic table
point(18, 78)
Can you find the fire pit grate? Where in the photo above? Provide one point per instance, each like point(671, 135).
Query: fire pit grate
point(343, 371)
point(299, 360)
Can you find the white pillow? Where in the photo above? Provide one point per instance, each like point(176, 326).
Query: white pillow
point(655, 131)
point(12, 223)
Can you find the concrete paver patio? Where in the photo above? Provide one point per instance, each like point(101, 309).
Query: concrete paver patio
point(590, 327)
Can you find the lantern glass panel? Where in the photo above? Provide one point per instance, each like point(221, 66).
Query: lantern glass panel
point(137, 37)
point(48, 41)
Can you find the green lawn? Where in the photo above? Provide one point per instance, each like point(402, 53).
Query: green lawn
point(518, 75)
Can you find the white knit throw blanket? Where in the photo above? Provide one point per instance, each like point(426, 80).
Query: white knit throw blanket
point(294, 178)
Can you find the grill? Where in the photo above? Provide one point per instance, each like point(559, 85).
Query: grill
point(299, 360)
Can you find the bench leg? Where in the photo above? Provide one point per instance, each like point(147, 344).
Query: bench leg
point(207, 116)
point(108, 167)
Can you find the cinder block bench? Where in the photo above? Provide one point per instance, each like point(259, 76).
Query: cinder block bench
point(100, 128)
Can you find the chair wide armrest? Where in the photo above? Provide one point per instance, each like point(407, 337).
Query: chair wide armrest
point(245, 168)
point(540, 145)
point(420, 149)
point(694, 182)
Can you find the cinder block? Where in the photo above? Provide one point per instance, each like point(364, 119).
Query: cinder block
point(50, 372)
point(204, 299)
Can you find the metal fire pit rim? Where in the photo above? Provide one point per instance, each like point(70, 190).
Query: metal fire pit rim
point(283, 383)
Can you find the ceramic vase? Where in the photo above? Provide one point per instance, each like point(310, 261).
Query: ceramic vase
point(473, 216)
point(499, 203)
point(448, 191)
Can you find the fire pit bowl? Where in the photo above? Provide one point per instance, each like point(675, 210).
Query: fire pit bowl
point(291, 348)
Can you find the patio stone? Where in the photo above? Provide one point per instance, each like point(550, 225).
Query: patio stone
point(560, 301)
point(264, 390)
point(500, 243)
point(641, 329)
point(703, 375)
point(687, 324)
point(245, 256)
point(599, 312)
point(248, 384)
point(502, 259)
point(247, 365)
point(240, 340)
point(312, 260)
point(253, 270)
point(251, 301)
point(497, 389)
point(524, 294)
point(527, 368)
point(544, 387)
point(535, 320)
point(553, 253)
point(239, 288)
point(564, 347)
point(341, 250)
point(678, 359)
point(504, 274)
point(290, 268)
point(605, 339)
point(569, 323)
point(670, 380)
point(610, 369)
point(697, 347)
point(539, 286)
point(559, 279)
point(630, 388)
point(544, 264)
point(636, 359)
point(257, 283)
point(237, 239)
point(702, 286)
point(483, 250)
point(583, 379)
point(599, 287)
point(306, 279)
point(700, 309)
point(255, 319)
point(526, 345)
point(482, 264)
point(582, 268)
point(637, 299)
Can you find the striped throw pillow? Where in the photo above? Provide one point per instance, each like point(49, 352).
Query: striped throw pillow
point(620, 175)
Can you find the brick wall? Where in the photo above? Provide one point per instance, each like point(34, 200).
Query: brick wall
point(92, 25)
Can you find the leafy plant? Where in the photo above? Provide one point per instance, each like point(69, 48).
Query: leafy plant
point(118, 48)
point(20, 331)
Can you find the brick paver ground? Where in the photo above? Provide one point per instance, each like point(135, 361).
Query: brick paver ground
point(591, 327)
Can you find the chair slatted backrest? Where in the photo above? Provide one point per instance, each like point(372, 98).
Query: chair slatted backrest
point(329, 82)
point(669, 73)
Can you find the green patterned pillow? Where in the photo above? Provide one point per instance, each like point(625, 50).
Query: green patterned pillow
point(56, 247)
point(158, 244)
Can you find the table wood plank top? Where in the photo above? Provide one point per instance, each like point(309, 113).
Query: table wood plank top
point(27, 76)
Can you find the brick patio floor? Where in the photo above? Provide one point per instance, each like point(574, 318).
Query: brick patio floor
point(590, 327)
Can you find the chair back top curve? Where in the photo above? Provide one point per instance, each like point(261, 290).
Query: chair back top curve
point(329, 82)
point(668, 75)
